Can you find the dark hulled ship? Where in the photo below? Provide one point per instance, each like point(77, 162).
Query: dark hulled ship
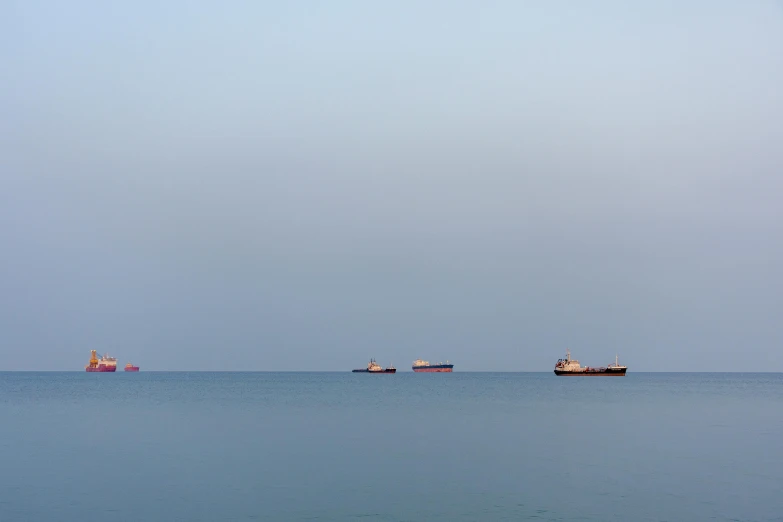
point(569, 367)
point(420, 366)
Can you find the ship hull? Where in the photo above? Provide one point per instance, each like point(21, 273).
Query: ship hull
point(101, 369)
point(379, 371)
point(132, 369)
point(432, 369)
point(592, 373)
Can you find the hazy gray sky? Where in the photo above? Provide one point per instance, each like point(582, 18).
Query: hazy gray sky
point(302, 186)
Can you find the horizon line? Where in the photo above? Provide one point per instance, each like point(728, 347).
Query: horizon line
point(350, 371)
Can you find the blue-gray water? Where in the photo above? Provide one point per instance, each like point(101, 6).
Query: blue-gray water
point(342, 446)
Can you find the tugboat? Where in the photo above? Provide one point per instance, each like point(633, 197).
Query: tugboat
point(373, 367)
point(570, 367)
point(130, 368)
point(104, 364)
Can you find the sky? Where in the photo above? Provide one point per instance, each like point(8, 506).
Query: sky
point(302, 186)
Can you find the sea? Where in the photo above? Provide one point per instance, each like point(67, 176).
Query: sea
point(166, 447)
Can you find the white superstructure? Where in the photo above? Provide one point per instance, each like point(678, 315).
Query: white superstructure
point(568, 364)
point(616, 365)
point(107, 361)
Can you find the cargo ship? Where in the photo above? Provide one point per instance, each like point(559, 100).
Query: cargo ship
point(420, 366)
point(570, 367)
point(373, 367)
point(104, 364)
point(130, 368)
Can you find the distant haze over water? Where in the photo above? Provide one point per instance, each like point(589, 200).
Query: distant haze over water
point(272, 186)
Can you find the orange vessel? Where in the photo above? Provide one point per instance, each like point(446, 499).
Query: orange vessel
point(130, 368)
point(104, 364)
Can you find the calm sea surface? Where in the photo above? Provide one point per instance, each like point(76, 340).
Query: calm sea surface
point(342, 446)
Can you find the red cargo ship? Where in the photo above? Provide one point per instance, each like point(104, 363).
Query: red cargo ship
point(130, 368)
point(104, 364)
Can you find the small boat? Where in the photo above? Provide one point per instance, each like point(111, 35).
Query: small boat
point(373, 367)
point(130, 368)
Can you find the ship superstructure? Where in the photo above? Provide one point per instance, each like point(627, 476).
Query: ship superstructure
point(104, 364)
point(420, 366)
point(569, 366)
